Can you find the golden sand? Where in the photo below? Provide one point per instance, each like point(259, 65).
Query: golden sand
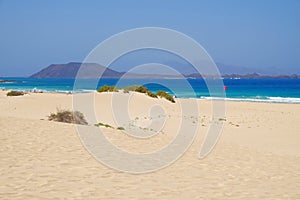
point(257, 156)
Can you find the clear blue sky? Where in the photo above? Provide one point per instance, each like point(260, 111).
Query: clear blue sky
point(254, 34)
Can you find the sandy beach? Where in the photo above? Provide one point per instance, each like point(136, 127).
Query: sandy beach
point(257, 156)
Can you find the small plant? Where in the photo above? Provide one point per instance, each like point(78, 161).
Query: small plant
point(131, 88)
point(106, 88)
point(137, 88)
point(121, 128)
point(141, 89)
point(150, 94)
point(67, 116)
point(165, 95)
point(14, 93)
point(105, 125)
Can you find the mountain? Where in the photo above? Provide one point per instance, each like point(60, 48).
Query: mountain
point(70, 70)
point(187, 69)
point(235, 69)
point(257, 76)
point(263, 71)
point(245, 76)
point(92, 70)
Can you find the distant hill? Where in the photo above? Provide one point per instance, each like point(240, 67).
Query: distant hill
point(70, 70)
point(256, 76)
point(92, 70)
point(245, 76)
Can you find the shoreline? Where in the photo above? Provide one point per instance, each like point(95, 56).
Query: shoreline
point(277, 99)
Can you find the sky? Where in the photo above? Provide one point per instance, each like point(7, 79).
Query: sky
point(253, 34)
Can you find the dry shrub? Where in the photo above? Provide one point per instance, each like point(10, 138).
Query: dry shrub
point(67, 116)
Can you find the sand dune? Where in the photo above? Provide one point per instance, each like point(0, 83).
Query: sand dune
point(257, 156)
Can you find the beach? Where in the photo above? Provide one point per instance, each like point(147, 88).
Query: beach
point(256, 157)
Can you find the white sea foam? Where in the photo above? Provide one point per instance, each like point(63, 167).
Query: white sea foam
point(285, 99)
point(267, 99)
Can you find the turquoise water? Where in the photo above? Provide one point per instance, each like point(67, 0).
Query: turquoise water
point(269, 90)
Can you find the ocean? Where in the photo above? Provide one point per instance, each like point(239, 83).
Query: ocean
point(258, 90)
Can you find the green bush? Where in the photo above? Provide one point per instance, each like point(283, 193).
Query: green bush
point(131, 88)
point(121, 128)
point(105, 125)
point(138, 88)
point(107, 88)
point(14, 93)
point(150, 94)
point(67, 116)
point(141, 89)
point(165, 95)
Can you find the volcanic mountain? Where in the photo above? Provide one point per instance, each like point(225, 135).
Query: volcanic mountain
point(70, 70)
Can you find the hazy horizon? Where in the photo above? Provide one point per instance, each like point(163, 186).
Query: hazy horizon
point(243, 37)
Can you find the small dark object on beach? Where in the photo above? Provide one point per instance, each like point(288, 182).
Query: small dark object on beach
point(7, 81)
point(14, 93)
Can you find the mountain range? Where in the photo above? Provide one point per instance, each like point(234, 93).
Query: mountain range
point(92, 70)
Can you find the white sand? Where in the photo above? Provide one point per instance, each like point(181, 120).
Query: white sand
point(257, 157)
